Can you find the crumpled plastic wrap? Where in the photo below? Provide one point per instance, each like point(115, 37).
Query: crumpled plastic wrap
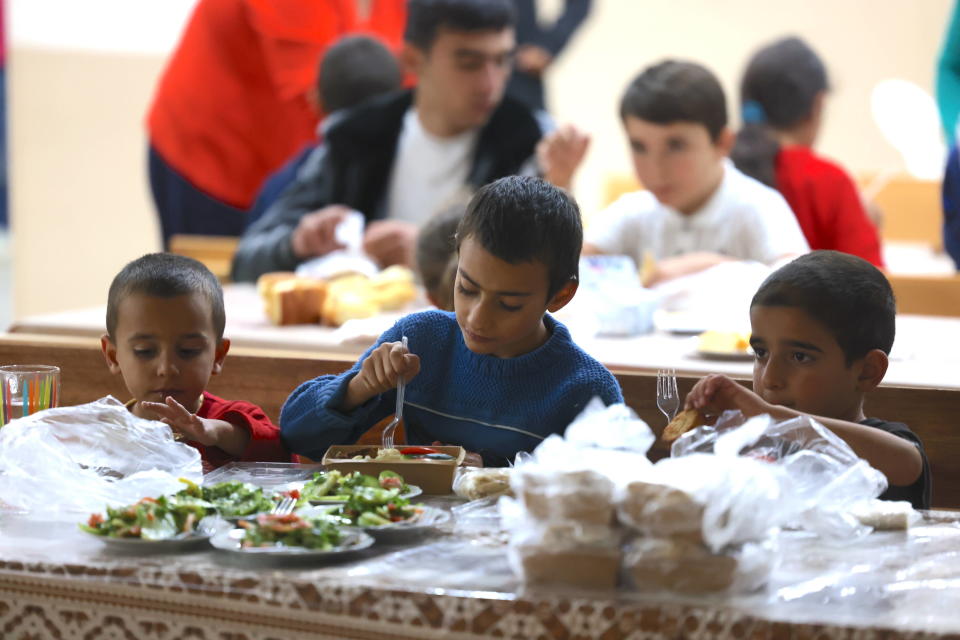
point(62, 462)
point(821, 478)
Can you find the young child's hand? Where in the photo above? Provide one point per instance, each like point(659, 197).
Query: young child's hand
point(716, 393)
point(210, 433)
point(379, 373)
point(183, 422)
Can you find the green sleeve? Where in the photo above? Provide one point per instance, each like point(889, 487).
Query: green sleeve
point(948, 76)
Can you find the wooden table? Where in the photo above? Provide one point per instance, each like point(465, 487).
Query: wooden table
point(926, 352)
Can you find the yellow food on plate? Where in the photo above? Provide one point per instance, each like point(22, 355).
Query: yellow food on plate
point(724, 342)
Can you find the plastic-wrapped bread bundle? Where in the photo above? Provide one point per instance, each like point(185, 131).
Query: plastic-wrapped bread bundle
point(557, 552)
point(562, 525)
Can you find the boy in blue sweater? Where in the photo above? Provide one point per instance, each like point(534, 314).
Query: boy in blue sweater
point(497, 375)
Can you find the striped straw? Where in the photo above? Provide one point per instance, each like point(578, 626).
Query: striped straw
point(26, 398)
point(3, 403)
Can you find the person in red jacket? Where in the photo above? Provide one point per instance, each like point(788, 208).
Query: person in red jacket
point(235, 101)
point(165, 323)
point(782, 99)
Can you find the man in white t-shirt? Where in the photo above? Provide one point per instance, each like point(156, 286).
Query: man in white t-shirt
point(697, 210)
point(399, 158)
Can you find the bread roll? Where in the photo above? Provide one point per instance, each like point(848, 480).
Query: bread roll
point(581, 568)
point(656, 564)
point(681, 423)
point(581, 496)
point(294, 300)
point(661, 511)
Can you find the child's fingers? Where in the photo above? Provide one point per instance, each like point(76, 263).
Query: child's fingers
point(411, 366)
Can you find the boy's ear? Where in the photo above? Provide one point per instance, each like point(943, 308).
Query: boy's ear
point(411, 58)
point(109, 353)
point(725, 141)
point(872, 370)
point(562, 297)
point(219, 354)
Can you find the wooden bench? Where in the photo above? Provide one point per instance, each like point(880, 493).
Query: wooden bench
point(266, 377)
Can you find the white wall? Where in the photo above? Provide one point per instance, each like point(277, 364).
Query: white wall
point(82, 73)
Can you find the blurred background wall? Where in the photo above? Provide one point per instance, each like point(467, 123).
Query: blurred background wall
point(81, 75)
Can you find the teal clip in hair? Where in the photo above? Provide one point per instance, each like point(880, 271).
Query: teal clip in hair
point(752, 112)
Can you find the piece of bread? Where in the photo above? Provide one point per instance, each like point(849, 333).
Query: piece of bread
point(294, 300)
point(475, 483)
point(580, 496)
point(266, 281)
point(587, 568)
point(657, 564)
point(684, 421)
point(348, 298)
point(660, 511)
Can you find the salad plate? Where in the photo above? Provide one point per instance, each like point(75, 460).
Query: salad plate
point(232, 541)
point(426, 519)
point(181, 542)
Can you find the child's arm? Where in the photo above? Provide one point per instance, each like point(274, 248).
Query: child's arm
point(318, 412)
point(229, 437)
point(671, 268)
point(898, 459)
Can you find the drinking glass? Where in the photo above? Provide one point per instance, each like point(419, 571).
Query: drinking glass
point(26, 389)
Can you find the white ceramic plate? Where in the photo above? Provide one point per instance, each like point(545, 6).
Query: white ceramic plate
point(428, 518)
point(231, 541)
point(737, 356)
point(184, 543)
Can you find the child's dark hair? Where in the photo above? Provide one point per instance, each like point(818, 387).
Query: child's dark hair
point(355, 68)
point(522, 219)
point(677, 91)
point(425, 18)
point(437, 253)
point(778, 90)
point(847, 294)
point(165, 275)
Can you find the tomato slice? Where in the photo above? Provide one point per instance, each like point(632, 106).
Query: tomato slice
point(417, 451)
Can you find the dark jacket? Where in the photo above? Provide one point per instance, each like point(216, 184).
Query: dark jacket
point(353, 166)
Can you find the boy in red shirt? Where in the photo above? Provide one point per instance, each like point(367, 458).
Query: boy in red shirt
point(782, 95)
point(165, 321)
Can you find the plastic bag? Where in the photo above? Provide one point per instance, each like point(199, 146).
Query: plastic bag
point(822, 477)
point(62, 462)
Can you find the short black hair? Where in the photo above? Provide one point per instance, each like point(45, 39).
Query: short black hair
point(437, 252)
point(522, 219)
point(777, 92)
point(846, 294)
point(425, 18)
point(165, 275)
point(355, 68)
point(677, 91)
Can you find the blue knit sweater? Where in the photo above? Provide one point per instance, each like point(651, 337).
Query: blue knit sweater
point(492, 406)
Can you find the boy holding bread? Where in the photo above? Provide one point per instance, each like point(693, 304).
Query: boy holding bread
point(823, 326)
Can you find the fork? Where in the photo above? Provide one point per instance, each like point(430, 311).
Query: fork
point(668, 400)
point(387, 442)
point(284, 507)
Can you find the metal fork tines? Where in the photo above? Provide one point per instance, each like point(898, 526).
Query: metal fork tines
point(668, 399)
point(387, 439)
point(284, 507)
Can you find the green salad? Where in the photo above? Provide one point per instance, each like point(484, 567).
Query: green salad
point(149, 519)
point(334, 485)
point(291, 530)
point(375, 507)
point(229, 499)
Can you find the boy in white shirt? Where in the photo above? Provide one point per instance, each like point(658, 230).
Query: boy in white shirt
point(697, 210)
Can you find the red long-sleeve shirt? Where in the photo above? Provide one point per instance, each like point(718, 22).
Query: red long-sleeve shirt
point(232, 103)
point(827, 204)
point(264, 445)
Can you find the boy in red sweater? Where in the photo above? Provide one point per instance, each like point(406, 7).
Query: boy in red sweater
point(165, 321)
